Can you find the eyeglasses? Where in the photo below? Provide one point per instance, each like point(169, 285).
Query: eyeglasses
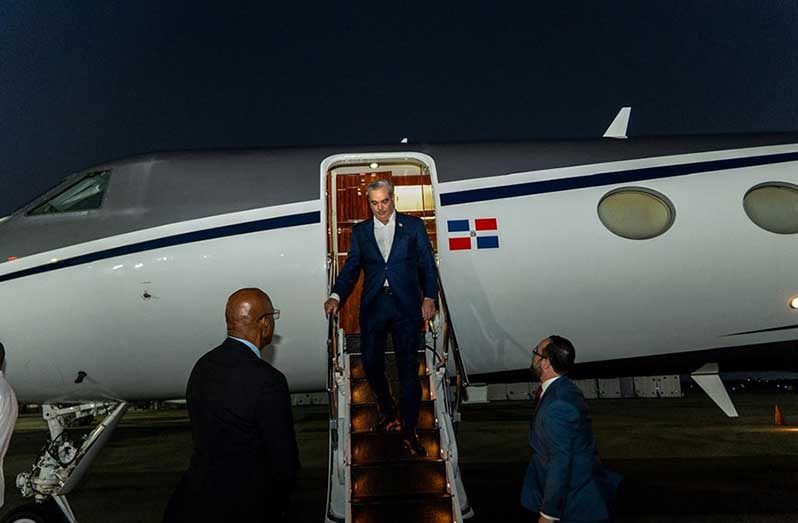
point(275, 314)
point(539, 355)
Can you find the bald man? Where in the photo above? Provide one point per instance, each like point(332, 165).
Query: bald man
point(245, 456)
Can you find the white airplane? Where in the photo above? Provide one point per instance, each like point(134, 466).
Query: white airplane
point(653, 255)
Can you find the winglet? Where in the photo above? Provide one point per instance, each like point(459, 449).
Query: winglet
point(617, 128)
point(708, 379)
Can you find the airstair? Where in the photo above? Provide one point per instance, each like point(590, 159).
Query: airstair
point(370, 480)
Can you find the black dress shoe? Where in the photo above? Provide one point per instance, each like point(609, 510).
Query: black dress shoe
point(412, 447)
point(387, 423)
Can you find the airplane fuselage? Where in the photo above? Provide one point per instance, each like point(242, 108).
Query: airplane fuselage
point(132, 293)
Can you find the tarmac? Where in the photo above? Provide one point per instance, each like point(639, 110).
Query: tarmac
point(681, 459)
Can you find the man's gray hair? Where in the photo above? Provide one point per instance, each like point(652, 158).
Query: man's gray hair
point(380, 184)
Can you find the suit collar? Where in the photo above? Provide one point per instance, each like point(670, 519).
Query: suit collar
point(398, 233)
point(239, 348)
point(378, 223)
point(251, 346)
point(369, 226)
point(401, 222)
point(553, 387)
point(548, 383)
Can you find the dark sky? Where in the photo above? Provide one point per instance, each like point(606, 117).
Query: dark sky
point(83, 82)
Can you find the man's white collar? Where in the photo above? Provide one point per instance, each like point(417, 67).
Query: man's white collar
point(390, 220)
point(545, 384)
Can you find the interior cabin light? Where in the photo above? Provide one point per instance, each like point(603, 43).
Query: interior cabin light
point(794, 302)
point(374, 165)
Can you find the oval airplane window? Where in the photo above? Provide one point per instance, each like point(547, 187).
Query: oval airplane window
point(635, 213)
point(773, 206)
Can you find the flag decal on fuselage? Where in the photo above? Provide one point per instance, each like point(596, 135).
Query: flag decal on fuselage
point(479, 233)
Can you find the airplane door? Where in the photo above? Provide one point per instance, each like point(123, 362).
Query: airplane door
point(345, 181)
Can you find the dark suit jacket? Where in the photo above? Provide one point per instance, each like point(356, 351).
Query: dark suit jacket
point(565, 478)
point(410, 266)
point(245, 457)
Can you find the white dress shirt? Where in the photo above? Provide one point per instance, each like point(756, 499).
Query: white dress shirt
point(384, 233)
point(8, 418)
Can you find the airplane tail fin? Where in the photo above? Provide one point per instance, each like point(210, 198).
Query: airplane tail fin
point(617, 128)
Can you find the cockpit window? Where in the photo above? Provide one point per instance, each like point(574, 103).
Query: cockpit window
point(84, 195)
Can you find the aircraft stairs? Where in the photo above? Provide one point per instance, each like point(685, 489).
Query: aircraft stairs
point(370, 479)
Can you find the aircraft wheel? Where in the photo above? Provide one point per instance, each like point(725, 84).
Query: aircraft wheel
point(47, 512)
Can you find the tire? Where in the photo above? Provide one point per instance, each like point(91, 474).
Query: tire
point(46, 512)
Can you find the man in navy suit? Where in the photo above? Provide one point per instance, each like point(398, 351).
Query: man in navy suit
point(399, 291)
point(565, 480)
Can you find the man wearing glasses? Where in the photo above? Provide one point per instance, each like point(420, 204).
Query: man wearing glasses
point(564, 480)
point(245, 457)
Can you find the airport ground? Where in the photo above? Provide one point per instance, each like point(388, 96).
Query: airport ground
point(682, 460)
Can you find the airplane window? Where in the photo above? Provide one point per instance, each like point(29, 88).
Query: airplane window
point(635, 213)
point(85, 195)
point(773, 206)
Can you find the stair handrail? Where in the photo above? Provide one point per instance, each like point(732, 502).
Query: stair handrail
point(449, 336)
point(333, 360)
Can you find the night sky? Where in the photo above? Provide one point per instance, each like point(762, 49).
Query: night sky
point(84, 82)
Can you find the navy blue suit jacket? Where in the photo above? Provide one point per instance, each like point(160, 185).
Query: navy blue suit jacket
point(565, 478)
point(410, 268)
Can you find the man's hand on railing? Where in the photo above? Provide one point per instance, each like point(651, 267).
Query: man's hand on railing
point(428, 309)
point(330, 307)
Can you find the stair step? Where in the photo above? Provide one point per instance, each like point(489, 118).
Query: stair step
point(361, 392)
point(382, 447)
point(365, 415)
point(427, 509)
point(353, 342)
point(357, 372)
point(400, 479)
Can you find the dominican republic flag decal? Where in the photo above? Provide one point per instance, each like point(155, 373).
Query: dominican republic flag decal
point(479, 233)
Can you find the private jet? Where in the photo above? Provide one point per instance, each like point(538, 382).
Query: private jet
point(653, 254)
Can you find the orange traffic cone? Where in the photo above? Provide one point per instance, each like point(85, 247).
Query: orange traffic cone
point(778, 418)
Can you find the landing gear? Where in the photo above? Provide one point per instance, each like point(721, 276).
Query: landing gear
point(63, 462)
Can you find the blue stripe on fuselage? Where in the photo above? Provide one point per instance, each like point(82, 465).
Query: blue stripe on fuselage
point(451, 198)
point(612, 178)
point(171, 241)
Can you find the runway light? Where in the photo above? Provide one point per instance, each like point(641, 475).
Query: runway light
point(794, 302)
point(374, 165)
point(12, 258)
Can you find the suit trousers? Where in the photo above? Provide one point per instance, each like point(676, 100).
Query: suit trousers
point(384, 315)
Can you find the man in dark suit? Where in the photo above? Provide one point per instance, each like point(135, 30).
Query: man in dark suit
point(565, 480)
point(245, 457)
point(399, 291)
